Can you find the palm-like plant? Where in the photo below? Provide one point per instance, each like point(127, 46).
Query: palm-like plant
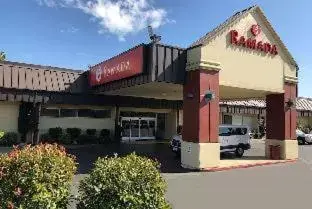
point(2, 56)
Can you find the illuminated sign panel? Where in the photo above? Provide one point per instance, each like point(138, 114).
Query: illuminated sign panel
point(119, 67)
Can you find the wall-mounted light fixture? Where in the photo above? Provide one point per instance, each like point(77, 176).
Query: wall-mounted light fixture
point(291, 103)
point(209, 95)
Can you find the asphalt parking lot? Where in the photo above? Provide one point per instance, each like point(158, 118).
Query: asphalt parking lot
point(282, 186)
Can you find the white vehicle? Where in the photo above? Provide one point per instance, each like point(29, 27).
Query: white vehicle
point(232, 138)
point(303, 138)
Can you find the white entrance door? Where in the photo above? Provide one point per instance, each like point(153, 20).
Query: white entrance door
point(135, 128)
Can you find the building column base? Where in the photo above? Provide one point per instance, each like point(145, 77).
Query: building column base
point(200, 155)
point(287, 149)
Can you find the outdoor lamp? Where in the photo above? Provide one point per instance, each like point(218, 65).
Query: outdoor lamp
point(290, 103)
point(209, 95)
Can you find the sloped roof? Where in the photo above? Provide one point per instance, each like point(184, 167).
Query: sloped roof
point(210, 35)
point(245, 103)
point(14, 75)
point(302, 103)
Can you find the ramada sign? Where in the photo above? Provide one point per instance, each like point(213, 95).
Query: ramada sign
point(252, 43)
point(116, 68)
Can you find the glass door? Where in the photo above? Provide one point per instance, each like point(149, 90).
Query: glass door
point(126, 131)
point(134, 128)
point(147, 128)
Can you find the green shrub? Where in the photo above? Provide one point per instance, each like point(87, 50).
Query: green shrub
point(55, 133)
point(104, 136)
point(1, 134)
point(130, 182)
point(91, 132)
point(65, 139)
point(87, 139)
point(46, 138)
point(74, 133)
point(36, 177)
point(9, 138)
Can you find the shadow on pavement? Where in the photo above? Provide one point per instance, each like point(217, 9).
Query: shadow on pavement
point(87, 155)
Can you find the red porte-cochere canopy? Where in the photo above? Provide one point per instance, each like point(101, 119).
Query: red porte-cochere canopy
point(122, 66)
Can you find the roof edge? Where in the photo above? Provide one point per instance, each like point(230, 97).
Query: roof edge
point(208, 36)
point(46, 67)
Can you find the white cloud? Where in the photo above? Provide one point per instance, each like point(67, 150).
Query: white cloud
point(49, 3)
point(71, 29)
point(118, 17)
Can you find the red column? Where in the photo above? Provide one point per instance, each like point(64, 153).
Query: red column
point(200, 119)
point(281, 121)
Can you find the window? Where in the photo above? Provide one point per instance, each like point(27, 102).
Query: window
point(102, 113)
point(68, 113)
point(52, 112)
point(223, 131)
point(240, 131)
point(227, 119)
point(85, 113)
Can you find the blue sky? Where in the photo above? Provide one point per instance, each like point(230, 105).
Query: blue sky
point(75, 34)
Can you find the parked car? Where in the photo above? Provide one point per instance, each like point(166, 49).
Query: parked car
point(232, 138)
point(303, 138)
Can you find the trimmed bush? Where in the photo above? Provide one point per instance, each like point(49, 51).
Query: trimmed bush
point(55, 133)
point(87, 139)
point(46, 138)
point(91, 132)
point(9, 138)
point(36, 177)
point(65, 139)
point(74, 133)
point(1, 134)
point(130, 182)
point(104, 136)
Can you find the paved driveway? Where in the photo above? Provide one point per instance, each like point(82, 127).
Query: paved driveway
point(160, 151)
point(284, 186)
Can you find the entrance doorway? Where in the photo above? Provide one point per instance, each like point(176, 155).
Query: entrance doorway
point(138, 128)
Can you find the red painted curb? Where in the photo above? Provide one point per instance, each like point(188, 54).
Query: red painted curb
point(214, 169)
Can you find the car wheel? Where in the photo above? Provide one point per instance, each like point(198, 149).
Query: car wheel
point(239, 152)
point(301, 141)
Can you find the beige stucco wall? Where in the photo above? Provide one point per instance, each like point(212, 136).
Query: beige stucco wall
point(9, 116)
point(46, 122)
point(242, 67)
point(200, 155)
point(288, 148)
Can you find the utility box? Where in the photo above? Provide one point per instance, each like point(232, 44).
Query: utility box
point(275, 152)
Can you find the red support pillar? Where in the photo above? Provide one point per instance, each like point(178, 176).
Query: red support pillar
point(281, 123)
point(200, 147)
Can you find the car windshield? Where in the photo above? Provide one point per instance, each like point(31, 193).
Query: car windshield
point(300, 132)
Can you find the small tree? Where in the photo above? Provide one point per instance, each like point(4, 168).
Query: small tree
point(131, 182)
point(2, 56)
point(36, 177)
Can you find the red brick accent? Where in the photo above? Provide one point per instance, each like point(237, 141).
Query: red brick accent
point(200, 120)
point(281, 121)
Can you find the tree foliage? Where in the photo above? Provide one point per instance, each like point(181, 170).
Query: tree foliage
point(2, 56)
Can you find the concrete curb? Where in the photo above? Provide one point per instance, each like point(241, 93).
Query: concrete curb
point(215, 169)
